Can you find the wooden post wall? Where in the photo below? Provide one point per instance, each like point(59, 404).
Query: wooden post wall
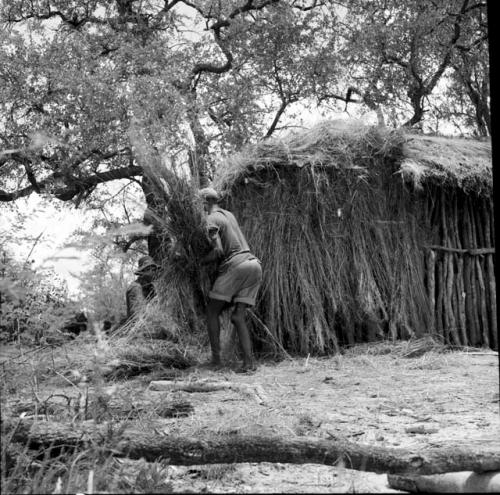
point(460, 266)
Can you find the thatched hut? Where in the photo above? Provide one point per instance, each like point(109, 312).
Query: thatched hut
point(367, 233)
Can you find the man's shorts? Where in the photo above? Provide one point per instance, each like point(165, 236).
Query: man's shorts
point(238, 284)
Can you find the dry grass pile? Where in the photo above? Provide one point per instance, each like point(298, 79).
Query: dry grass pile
point(412, 348)
point(153, 321)
point(315, 228)
point(144, 356)
point(399, 348)
point(152, 340)
point(179, 220)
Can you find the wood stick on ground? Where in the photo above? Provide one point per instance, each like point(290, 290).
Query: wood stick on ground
point(461, 482)
point(255, 391)
point(276, 341)
point(223, 448)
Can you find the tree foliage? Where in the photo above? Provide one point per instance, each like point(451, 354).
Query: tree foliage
point(398, 52)
point(33, 303)
point(200, 78)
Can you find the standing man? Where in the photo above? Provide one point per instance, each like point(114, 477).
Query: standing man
point(239, 276)
point(142, 289)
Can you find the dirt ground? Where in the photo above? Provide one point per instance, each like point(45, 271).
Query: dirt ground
point(382, 400)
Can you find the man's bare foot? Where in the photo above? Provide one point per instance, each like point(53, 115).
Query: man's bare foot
point(247, 368)
point(211, 365)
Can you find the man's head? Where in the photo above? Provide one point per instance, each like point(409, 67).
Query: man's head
point(209, 196)
point(147, 268)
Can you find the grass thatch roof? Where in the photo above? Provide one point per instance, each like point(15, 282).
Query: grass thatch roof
point(340, 144)
point(464, 163)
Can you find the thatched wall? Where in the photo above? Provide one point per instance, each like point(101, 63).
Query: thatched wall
point(354, 227)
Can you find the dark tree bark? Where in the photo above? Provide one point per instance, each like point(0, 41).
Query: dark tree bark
point(217, 449)
point(155, 206)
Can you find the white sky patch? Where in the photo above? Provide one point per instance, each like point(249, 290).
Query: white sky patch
point(54, 227)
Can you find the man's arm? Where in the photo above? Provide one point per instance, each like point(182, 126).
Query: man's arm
point(135, 299)
point(216, 252)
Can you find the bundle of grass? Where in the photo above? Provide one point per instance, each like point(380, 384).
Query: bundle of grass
point(179, 220)
point(153, 321)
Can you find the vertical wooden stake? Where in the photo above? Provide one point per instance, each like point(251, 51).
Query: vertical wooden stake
point(461, 299)
point(472, 281)
point(431, 286)
point(490, 273)
point(484, 319)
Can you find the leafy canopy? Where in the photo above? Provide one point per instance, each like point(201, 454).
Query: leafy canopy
point(200, 78)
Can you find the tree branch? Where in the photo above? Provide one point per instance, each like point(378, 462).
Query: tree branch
point(216, 69)
point(31, 176)
point(429, 86)
point(125, 245)
point(304, 8)
point(68, 192)
point(247, 7)
point(279, 113)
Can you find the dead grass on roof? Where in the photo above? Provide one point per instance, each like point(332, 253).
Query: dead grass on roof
point(464, 163)
point(342, 144)
point(339, 144)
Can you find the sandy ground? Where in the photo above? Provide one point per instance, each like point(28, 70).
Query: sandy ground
point(372, 399)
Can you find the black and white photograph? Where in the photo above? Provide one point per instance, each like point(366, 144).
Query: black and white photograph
point(248, 246)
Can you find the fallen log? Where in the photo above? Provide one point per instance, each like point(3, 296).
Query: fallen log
point(229, 448)
point(461, 482)
point(254, 391)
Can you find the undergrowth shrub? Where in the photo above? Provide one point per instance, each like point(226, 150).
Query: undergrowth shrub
point(35, 306)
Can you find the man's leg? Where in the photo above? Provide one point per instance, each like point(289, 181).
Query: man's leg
point(214, 309)
point(238, 320)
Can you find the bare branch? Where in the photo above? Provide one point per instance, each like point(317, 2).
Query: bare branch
point(125, 245)
point(216, 69)
point(249, 6)
point(305, 8)
point(447, 58)
point(67, 192)
point(31, 176)
point(279, 113)
point(216, 28)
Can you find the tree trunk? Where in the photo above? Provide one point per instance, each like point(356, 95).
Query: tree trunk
point(155, 248)
point(199, 155)
point(416, 96)
point(225, 448)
